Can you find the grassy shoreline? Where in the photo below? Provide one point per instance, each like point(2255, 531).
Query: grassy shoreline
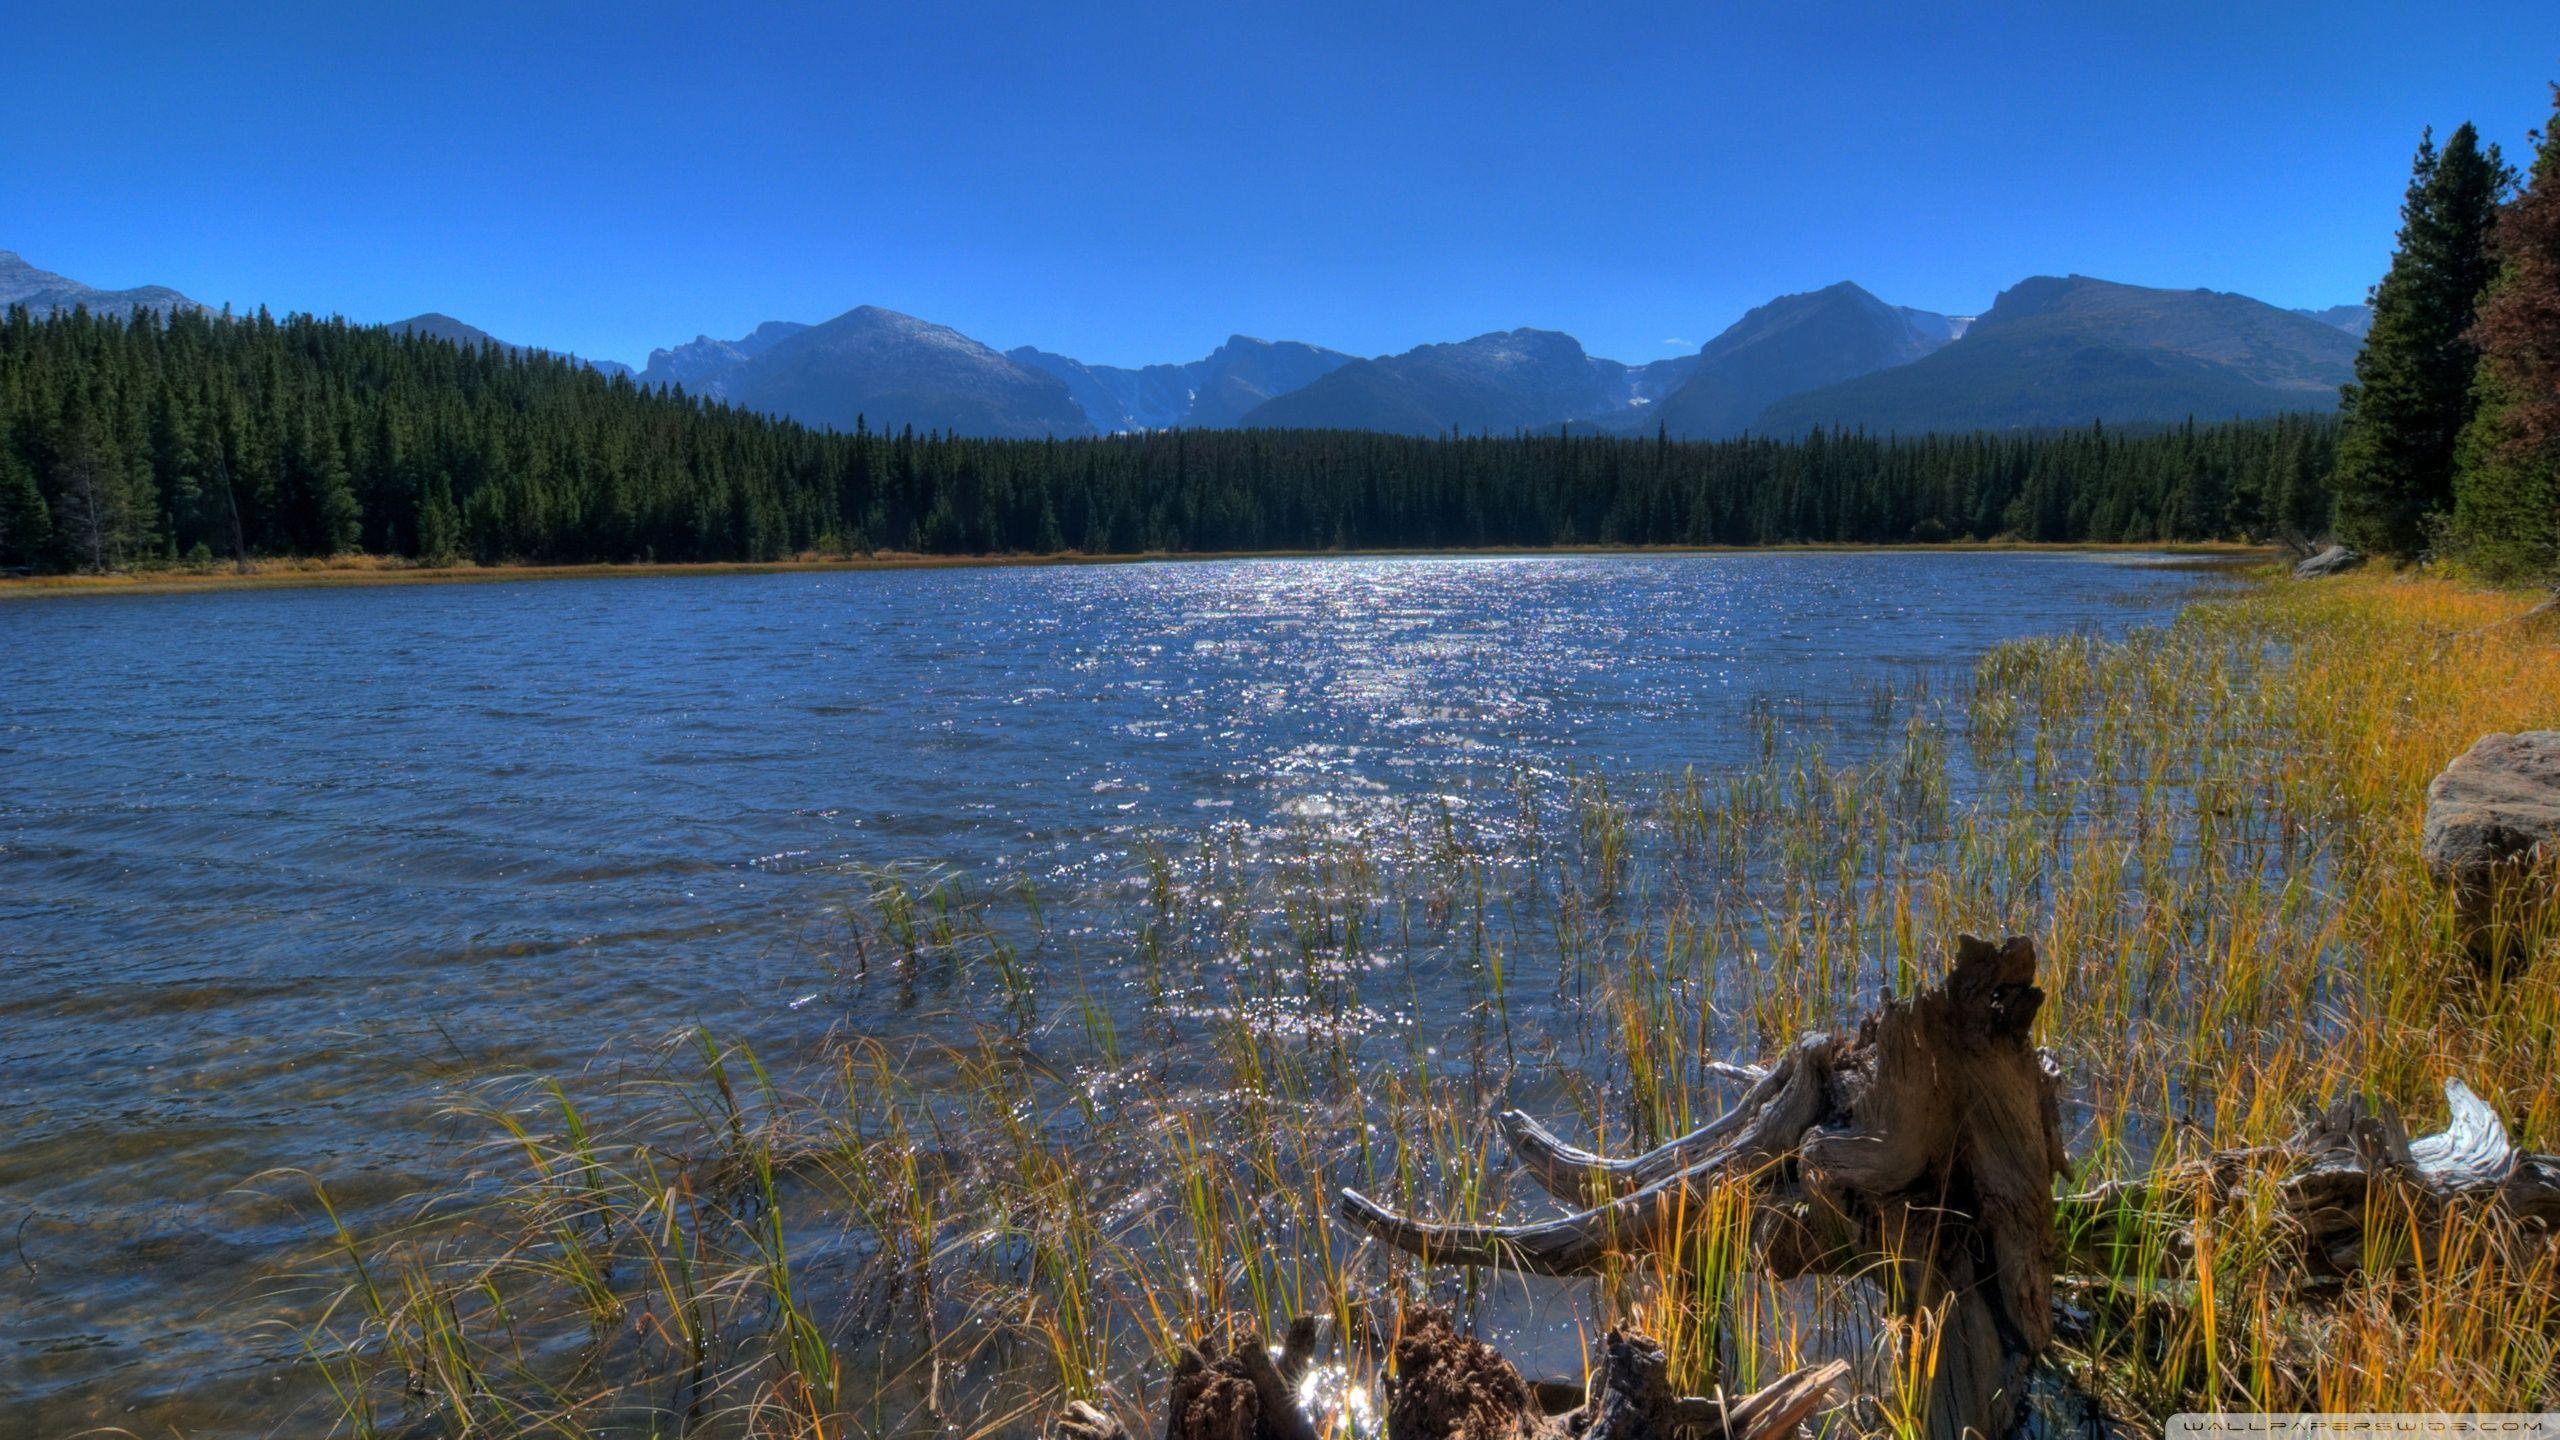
point(1072, 1147)
point(381, 570)
point(2202, 825)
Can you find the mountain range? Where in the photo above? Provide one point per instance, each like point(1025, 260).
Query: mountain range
point(2050, 352)
point(1210, 393)
point(42, 291)
point(1488, 383)
point(2065, 351)
point(703, 365)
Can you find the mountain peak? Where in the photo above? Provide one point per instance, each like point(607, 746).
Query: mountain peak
point(769, 333)
point(1518, 379)
point(1212, 392)
point(1525, 345)
point(1794, 343)
point(883, 315)
point(888, 370)
point(436, 325)
point(2355, 319)
point(2056, 351)
point(2040, 293)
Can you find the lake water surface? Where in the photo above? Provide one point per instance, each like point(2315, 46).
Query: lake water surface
point(280, 869)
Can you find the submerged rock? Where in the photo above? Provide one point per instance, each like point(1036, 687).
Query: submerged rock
point(2336, 560)
point(2493, 816)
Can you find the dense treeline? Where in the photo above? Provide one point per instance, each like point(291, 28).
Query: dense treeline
point(2451, 440)
point(197, 436)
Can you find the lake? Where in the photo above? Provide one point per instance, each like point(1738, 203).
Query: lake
point(281, 869)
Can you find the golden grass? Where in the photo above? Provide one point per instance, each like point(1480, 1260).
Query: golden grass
point(1089, 1144)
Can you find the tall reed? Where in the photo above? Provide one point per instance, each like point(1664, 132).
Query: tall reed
point(1033, 1190)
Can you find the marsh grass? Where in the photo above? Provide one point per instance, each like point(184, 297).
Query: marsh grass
point(1113, 1127)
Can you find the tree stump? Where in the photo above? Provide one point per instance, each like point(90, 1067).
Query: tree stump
point(1449, 1386)
point(1918, 1153)
point(1921, 1152)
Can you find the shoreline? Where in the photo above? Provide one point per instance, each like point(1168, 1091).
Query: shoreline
point(381, 571)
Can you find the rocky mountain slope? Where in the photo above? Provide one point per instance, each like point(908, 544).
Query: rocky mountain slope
point(445, 327)
point(892, 370)
point(43, 292)
point(1796, 343)
point(2067, 350)
point(1503, 381)
point(1211, 392)
point(703, 365)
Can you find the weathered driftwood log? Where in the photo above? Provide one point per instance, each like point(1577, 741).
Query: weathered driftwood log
point(2343, 1163)
point(1921, 1152)
point(1448, 1386)
point(2332, 560)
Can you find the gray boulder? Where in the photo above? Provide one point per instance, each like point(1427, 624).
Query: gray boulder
point(2493, 819)
point(2335, 560)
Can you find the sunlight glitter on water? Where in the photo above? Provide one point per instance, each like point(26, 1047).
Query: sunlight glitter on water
point(269, 901)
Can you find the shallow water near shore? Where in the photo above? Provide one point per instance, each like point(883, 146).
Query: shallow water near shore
point(280, 870)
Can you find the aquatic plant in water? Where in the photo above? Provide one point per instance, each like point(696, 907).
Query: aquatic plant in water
point(1034, 1194)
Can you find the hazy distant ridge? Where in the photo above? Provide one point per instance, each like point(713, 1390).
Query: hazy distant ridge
point(445, 327)
point(1205, 394)
point(889, 370)
point(43, 292)
point(2052, 351)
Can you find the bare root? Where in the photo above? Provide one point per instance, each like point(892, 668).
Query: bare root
point(1451, 1386)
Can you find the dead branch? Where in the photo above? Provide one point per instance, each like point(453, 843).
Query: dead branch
point(1919, 1153)
point(2343, 1160)
point(1922, 1151)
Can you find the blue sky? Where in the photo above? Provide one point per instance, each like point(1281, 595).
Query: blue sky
point(1131, 184)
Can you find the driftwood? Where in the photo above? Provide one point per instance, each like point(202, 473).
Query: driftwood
point(2343, 1163)
point(1448, 1386)
point(1921, 1151)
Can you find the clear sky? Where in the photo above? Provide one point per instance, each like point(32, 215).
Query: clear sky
point(1130, 184)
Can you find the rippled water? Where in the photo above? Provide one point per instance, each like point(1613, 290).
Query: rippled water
point(279, 869)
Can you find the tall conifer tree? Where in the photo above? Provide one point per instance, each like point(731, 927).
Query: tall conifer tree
point(2412, 390)
point(26, 525)
point(2506, 485)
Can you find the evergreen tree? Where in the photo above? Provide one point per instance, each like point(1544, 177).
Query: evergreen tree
point(333, 520)
point(2412, 390)
point(439, 526)
point(95, 525)
point(2506, 485)
point(26, 526)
